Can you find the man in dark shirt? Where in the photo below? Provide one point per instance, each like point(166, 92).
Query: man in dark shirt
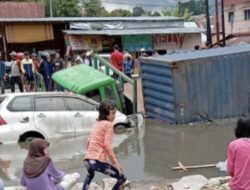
point(57, 66)
point(2, 73)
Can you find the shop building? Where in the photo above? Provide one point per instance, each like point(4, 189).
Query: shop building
point(70, 35)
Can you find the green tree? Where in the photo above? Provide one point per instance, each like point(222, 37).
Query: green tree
point(62, 8)
point(156, 13)
point(166, 13)
point(94, 8)
point(120, 13)
point(187, 15)
point(176, 12)
point(196, 7)
point(67, 8)
point(138, 11)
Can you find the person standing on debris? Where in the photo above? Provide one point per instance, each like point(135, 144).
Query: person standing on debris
point(117, 58)
point(49, 72)
point(238, 164)
point(81, 57)
point(99, 148)
point(128, 66)
point(2, 74)
point(58, 65)
point(28, 69)
point(39, 171)
point(126, 54)
point(88, 58)
point(15, 74)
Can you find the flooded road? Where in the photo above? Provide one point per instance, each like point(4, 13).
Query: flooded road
point(148, 153)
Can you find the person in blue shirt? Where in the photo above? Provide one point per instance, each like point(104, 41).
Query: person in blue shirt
point(128, 66)
point(49, 72)
point(2, 73)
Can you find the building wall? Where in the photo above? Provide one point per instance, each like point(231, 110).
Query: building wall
point(239, 24)
point(190, 40)
point(187, 42)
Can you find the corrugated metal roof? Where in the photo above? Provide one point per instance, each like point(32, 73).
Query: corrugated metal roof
point(190, 55)
point(134, 31)
point(21, 10)
point(90, 19)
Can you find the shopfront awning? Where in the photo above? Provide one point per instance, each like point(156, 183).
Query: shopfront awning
point(134, 31)
point(28, 33)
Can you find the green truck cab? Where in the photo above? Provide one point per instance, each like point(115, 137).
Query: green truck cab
point(85, 80)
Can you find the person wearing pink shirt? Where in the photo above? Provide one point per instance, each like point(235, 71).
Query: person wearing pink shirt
point(238, 153)
point(99, 148)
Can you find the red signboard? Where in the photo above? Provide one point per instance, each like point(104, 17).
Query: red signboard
point(162, 41)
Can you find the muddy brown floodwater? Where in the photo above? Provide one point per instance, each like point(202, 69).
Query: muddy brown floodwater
point(148, 153)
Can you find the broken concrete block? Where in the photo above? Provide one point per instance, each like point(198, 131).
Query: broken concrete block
point(193, 182)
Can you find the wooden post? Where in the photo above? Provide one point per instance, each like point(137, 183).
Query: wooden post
point(217, 23)
point(209, 37)
point(95, 63)
point(223, 24)
point(4, 42)
point(135, 96)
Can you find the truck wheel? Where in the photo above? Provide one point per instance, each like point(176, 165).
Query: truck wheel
point(119, 128)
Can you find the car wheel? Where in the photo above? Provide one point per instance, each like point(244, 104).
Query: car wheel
point(27, 137)
point(119, 128)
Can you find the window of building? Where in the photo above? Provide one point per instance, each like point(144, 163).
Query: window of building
point(231, 17)
point(247, 14)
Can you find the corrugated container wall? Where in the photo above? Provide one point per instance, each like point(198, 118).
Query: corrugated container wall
point(193, 86)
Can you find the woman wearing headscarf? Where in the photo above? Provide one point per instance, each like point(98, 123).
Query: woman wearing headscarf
point(39, 171)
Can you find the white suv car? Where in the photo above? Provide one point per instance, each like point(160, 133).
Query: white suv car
point(48, 115)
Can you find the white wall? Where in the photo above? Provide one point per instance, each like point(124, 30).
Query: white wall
point(239, 25)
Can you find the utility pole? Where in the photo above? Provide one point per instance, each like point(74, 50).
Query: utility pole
point(50, 8)
point(179, 8)
point(209, 38)
point(217, 23)
point(223, 24)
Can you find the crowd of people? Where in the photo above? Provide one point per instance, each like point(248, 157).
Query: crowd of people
point(33, 72)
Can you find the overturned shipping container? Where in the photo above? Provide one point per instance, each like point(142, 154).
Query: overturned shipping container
point(199, 85)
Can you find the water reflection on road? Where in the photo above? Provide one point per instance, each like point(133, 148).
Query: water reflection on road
point(144, 154)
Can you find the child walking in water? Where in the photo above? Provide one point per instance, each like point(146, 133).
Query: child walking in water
point(99, 148)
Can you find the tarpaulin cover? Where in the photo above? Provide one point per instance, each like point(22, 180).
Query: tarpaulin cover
point(28, 33)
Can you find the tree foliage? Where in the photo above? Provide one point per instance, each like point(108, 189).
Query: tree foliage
point(120, 13)
point(62, 8)
point(196, 7)
point(94, 8)
point(155, 13)
point(176, 13)
point(138, 11)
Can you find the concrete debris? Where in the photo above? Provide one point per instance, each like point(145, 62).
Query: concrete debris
point(193, 182)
